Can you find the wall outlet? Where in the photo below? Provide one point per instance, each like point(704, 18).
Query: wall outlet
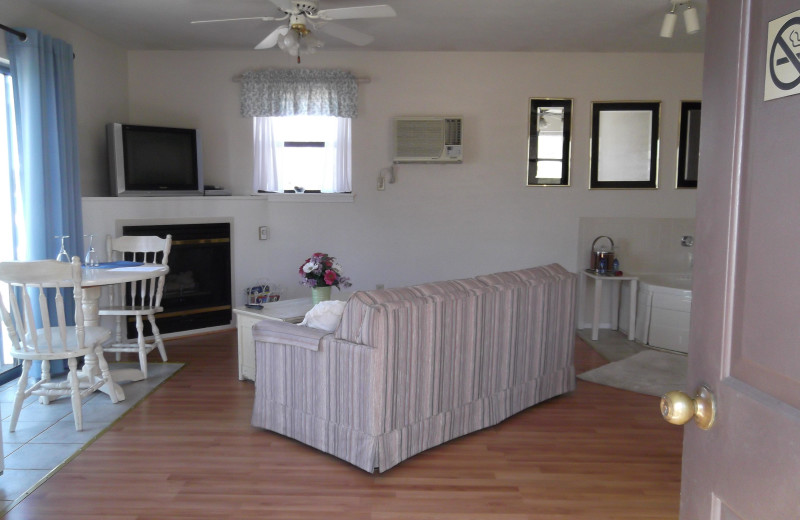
point(263, 232)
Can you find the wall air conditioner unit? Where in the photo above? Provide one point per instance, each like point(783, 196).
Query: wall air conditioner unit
point(427, 140)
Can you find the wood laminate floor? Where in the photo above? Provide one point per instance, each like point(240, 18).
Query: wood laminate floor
point(188, 452)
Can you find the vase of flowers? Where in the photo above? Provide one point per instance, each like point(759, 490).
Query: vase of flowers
point(321, 272)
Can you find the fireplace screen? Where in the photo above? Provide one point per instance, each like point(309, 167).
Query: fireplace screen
point(197, 290)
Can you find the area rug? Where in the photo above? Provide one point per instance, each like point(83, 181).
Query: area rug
point(651, 372)
point(46, 439)
point(611, 344)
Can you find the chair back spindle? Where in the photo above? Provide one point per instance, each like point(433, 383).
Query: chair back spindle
point(28, 285)
point(144, 249)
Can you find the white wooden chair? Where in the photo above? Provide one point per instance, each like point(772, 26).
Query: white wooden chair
point(24, 286)
point(137, 299)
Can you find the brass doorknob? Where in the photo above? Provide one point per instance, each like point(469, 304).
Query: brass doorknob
point(677, 407)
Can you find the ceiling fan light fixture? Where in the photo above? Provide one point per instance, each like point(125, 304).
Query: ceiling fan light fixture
point(543, 122)
point(312, 42)
point(291, 40)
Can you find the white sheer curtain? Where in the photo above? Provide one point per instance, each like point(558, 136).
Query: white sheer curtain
point(265, 176)
point(343, 161)
point(326, 168)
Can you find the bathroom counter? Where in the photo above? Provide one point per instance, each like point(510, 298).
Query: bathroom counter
point(599, 282)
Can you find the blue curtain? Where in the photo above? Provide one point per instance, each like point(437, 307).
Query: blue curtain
point(44, 97)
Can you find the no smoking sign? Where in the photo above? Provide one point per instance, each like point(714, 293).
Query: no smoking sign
point(783, 57)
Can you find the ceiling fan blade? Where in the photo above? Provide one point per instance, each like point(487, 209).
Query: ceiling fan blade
point(352, 13)
point(284, 5)
point(347, 34)
point(262, 18)
point(272, 39)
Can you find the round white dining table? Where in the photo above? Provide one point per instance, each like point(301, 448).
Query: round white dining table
point(92, 283)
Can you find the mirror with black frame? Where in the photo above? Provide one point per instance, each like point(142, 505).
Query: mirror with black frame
point(549, 131)
point(624, 149)
point(689, 144)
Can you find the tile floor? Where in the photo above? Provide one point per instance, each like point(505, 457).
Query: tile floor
point(46, 436)
point(611, 344)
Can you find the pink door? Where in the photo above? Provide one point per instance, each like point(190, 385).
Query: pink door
point(745, 333)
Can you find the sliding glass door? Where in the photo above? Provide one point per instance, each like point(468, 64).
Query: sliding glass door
point(9, 166)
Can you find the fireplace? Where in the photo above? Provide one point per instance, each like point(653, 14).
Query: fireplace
point(197, 290)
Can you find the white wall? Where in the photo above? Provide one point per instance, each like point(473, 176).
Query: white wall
point(101, 88)
point(437, 221)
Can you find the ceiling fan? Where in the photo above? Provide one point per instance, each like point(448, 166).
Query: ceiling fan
point(305, 18)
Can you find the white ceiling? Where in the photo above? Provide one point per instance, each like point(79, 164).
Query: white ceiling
point(420, 25)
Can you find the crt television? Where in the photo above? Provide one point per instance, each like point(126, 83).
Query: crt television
point(152, 161)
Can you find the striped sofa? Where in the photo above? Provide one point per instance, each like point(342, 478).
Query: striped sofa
point(411, 368)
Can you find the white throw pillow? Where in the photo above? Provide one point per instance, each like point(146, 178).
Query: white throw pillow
point(325, 315)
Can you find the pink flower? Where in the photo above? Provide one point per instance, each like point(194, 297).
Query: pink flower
point(330, 277)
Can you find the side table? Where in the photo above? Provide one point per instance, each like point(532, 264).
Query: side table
point(599, 280)
point(292, 311)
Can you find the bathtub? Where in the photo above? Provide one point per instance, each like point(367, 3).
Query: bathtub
point(663, 309)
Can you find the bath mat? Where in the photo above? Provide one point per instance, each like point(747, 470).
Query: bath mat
point(650, 372)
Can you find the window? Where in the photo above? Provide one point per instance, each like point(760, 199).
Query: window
point(9, 165)
point(310, 109)
point(308, 152)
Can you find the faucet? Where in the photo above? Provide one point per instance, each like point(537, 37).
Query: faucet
point(687, 240)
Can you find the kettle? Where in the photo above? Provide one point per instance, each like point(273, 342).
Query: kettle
point(602, 256)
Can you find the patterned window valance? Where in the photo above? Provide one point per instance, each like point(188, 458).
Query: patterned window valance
point(297, 92)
